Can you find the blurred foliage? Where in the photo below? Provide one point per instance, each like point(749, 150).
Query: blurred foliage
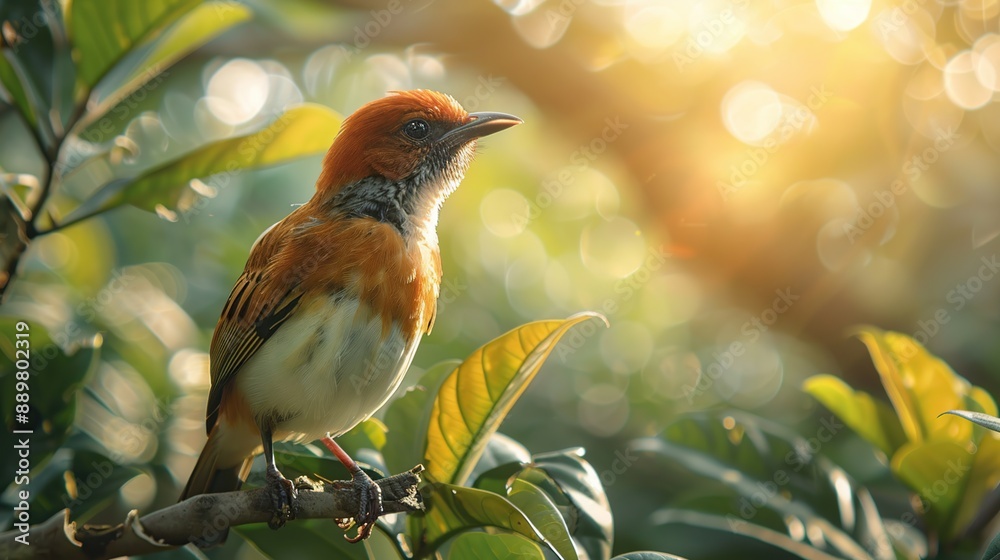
point(933, 458)
point(731, 183)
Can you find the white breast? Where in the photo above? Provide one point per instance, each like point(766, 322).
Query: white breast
point(326, 369)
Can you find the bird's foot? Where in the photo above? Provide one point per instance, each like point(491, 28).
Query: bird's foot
point(369, 507)
point(283, 497)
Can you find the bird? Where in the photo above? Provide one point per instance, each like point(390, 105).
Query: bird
point(325, 319)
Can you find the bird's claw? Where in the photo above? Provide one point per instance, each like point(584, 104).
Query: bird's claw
point(369, 507)
point(283, 497)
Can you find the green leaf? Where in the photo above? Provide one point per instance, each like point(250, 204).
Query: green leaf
point(15, 91)
point(984, 420)
point(452, 509)
point(498, 478)
point(871, 419)
point(576, 489)
point(104, 31)
point(28, 69)
point(483, 546)
point(543, 514)
point(476, 397)
point(303, 131)
point(408, 416)
point(646, 555)
point(194, 29)
point(500, 450)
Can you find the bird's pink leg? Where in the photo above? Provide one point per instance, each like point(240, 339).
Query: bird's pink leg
point(369, 493)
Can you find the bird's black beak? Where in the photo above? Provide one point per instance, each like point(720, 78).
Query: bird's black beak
point(479, 125)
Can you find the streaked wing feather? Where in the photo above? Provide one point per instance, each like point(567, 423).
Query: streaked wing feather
point(258, 305)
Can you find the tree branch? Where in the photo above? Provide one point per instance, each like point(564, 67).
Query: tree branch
point(202, 520)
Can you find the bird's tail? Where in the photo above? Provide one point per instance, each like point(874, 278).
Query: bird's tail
point(215, 472)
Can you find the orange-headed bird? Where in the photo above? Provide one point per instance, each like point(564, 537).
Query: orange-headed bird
point(324, 321)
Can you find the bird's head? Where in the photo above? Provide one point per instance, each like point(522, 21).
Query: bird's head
point(397, 158)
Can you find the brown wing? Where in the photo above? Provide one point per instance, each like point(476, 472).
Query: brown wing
point(261, 301)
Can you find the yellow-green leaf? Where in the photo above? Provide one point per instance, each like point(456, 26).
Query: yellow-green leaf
point(303, 131)
point(104, 31)
point(937, 471)
point(475, 398)
point(920, 386)
point(871, 419)
point(979, 400)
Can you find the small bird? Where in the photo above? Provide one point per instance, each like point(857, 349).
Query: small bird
point(327, 315)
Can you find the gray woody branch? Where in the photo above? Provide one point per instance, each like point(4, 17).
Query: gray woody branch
point(202, 520)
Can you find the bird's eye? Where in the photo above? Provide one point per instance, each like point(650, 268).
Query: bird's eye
point(417, 129)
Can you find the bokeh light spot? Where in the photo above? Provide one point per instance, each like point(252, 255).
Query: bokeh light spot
point(603, 410)
point(987, 63)
point(962, 82)
point(237, 91)
point(612, 248)
point(844, 15)
point(654, 25)
point(751, 111)
point(504, 212)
